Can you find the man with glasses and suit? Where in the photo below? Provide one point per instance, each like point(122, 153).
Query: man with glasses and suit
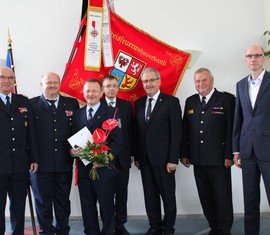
point(123, 160)
point(251, 135)
point(157, 150)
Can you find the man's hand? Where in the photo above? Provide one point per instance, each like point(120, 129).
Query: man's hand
point(97, 165)
point(185, 162)
point(171, 167)
point(137, 164)
point(228, 163)
point(74, 151)
point(33, 167)
point(237, 160)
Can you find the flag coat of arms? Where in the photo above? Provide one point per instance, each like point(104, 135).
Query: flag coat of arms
point(133, 50)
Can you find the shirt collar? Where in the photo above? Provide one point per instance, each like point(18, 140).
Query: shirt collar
point(155, 97)
point(108, 100)
point(209, 95)
point(258, 79)
point(3, 97)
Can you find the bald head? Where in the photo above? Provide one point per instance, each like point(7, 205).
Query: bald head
point(50, 83)
point(7, 80)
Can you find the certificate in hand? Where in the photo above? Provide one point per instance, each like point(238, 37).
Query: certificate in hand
point(80, 138)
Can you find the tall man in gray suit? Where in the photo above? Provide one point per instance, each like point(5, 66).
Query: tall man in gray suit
point(251, 135)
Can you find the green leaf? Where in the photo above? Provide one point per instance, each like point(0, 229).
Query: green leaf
point(268, 42)
point(265, 32)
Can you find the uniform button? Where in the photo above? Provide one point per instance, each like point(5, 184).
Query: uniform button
point(11, 119)
point(202, 112)
point(13, 150)
point(13, 139)
point(54, 120)
point(201, 121)
point(55, 129)
point(12, 128)
point(201, 132)
point(201, 141)
point(55, 139)
point(55, 150)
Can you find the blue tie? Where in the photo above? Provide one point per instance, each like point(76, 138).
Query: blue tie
point(8, 105)
point(203, 101)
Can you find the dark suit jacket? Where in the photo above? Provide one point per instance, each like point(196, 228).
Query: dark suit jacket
point(125, 113)
point(252, 126)
point(52, 132)
point(114, 139)
point(207, 131)
point(17, 137)
point(159, 141)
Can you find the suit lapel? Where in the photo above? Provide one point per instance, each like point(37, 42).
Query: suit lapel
point(96, 119)
point(3, 106)
point(157, 107)
point(244, 88)
point(211, 100)
point(44, 103)
point(263, 87)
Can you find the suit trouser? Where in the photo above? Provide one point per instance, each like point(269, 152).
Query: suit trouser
point(15, 185)
point(51, 192)
point(91, 191)
point(252, 169)
point(121, 196)
point(158, 182)
point(215, 193)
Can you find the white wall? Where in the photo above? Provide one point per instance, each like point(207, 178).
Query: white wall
point(43, 33)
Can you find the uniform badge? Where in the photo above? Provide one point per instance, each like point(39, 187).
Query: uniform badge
point(23, 110)
point(69, 113)
point(119, 122)
point(190, 111)
point(25, 123)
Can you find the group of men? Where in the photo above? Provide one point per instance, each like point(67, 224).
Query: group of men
point(216, 132)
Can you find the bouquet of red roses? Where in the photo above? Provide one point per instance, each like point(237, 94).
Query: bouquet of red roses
point(98, 151)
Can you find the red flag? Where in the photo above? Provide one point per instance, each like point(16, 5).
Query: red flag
point(133, 50)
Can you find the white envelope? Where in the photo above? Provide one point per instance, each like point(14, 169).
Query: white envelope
point(79, 140)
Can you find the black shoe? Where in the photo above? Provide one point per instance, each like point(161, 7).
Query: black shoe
point(152, 231)
point(121, 231)
point(168, 233)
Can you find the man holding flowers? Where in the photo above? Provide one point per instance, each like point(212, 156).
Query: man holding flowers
point(97, 117)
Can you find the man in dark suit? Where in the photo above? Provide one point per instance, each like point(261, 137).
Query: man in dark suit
point(157, 150)
point(18, 151)
point(207, 144)
point(51, 185)
point(251, 135)
point(102, 190)
point(123, 161)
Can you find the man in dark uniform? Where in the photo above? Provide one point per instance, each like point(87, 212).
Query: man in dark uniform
point(18, 151)
point(123, 163)
point(207, 144)
point(51, 185)
point(102, 189)
point(158, 137)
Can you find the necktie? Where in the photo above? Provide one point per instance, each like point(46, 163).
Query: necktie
point(111, 104)
point(53, 107)
point(203, 101)
point(8, 105)
point(90, 116)
point(149, 110)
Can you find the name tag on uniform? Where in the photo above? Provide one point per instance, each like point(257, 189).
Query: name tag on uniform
point(190, 111)
point(217, 110)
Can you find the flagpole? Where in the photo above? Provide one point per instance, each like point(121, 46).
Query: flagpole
point(79, 34)
point(15, 91)
point(11, 59)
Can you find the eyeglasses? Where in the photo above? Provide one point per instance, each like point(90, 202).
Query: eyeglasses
point(11, 78)
point(110, 86)
point(256, 56)
point(151, 80)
